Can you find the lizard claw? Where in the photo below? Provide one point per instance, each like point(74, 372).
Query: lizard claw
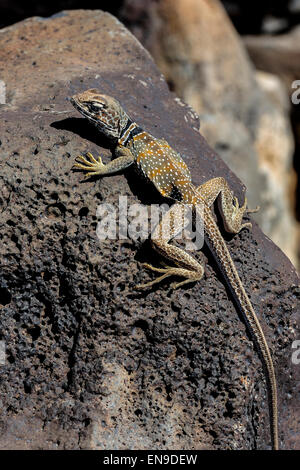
point(171, 271)
point(91, 157)
point(251, 211)
point(166, 272)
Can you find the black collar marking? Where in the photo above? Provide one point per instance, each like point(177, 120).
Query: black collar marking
point(125, 136)
point(137, 130)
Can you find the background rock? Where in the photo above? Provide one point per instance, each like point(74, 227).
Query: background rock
point(91, 363)
point(264, 16)
point(279, 55)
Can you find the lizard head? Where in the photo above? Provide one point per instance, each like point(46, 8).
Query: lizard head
point(103, 111)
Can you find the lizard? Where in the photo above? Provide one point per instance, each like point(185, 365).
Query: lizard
point(164, 167)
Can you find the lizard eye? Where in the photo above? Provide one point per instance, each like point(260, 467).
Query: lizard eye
point(95, 108)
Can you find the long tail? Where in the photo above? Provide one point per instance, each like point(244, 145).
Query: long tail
point(223, 258)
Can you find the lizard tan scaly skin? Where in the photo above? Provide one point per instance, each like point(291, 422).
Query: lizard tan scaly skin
point(165, 168)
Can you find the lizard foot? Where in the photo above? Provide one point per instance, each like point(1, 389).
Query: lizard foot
point(247, 211)
point(234, 222)
point(191, 276)
point(93, 166)
point(248, 225)
point(251, 211)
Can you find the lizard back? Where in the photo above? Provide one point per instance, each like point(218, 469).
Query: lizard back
point(161, 165)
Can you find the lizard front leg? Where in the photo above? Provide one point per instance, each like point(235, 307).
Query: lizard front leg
point(187, 267)
point(97, 167)
point(232, 213)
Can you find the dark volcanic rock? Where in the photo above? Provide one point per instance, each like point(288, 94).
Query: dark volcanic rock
point(91, 362)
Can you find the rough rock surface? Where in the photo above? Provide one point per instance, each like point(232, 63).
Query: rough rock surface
point(91, 362)
point(206, 64)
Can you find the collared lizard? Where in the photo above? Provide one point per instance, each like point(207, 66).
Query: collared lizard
point(165, 168)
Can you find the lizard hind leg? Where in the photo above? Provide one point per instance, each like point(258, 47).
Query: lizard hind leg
point(185, 265)
point(232, 213)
